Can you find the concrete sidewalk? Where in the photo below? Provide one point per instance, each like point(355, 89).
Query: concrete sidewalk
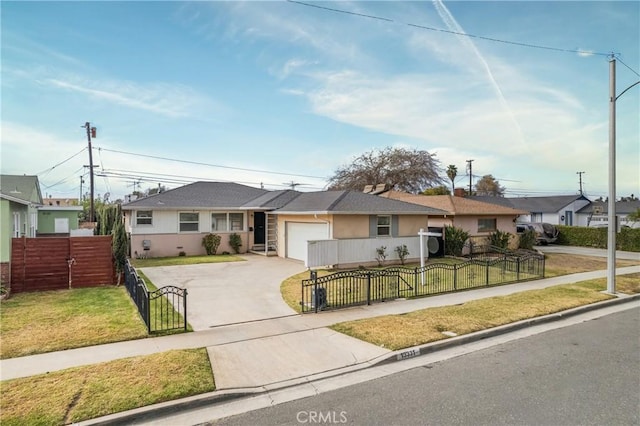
point(293, 347)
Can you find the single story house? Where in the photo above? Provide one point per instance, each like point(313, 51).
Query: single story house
point(596, 214)
point(477, 218)
point(556, 210)
point(20, 197)
point(58, 221)
point(271, 222)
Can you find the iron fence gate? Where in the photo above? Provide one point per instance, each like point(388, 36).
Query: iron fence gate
point(164, 309)
point(365, 286)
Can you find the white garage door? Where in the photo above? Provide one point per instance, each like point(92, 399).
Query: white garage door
point(299, 233)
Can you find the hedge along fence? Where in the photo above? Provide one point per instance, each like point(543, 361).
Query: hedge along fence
point(627, 239)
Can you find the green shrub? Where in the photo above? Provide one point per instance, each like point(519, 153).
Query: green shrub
point(182, 254)
point(211, 242)
point(381, 255)
point(402, 252)
point(500, 239)
point(627, 239)
point(235, 242)
point(454, 239)
point(527, 239)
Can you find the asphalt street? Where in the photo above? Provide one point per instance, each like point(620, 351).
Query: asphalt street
point(583, 374)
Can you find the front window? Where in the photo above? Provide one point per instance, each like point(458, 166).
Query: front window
point(487, 225)
point(189, 222)
point(384, 226)
point(227, 222)
point(236, 221)
point(144, 217)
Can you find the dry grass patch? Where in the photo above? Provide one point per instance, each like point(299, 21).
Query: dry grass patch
point(32, 323)
point(402, 331)
point(97, 390)
point(291, 288)
point(564, 264)
point(629, 284)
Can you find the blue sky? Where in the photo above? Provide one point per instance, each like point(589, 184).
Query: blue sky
point(279, 92)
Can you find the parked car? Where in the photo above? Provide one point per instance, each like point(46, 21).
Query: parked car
point(546, 233)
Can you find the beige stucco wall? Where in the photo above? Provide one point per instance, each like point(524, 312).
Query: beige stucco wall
point(410, 225)
point(348, 226)
point(351, 226)
point(503, 223)
point(167, 241)
point(163, 245)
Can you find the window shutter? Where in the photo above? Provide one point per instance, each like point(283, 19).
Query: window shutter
point(373, 226)
point(394, 225)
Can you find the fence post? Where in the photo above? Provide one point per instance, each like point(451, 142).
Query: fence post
point(518, 269)
point(543, 260)
point(314, 296)
point(455, 277)
point(185, 308)
point(486, 263)
point(368, 288)
point(148, 313)
point(415, 281)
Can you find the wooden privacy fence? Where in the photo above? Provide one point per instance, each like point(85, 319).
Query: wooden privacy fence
point(58, 263)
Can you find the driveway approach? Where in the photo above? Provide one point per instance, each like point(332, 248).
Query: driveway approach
point(230, 292)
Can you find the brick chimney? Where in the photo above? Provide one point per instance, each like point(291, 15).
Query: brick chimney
point(459, 192)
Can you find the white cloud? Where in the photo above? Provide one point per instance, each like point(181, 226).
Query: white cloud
point(160, 98)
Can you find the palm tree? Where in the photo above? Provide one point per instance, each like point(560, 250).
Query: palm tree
point(452, 172)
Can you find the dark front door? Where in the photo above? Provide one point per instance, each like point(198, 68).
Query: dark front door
point(258, 228)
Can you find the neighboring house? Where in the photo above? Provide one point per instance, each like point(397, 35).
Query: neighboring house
point(273, 222)
point(58, 221)
point(597, 214)
point(556, 210)
point(478, 218)
point(342, 215)
point(20, 197)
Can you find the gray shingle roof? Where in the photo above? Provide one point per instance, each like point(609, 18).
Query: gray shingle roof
point(533, 204)
point(622, 207)
point(214, 195)
point(21, 187)
point(351, 202)
point(271, 200)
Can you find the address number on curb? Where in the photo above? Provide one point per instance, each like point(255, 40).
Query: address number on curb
point(408, 354)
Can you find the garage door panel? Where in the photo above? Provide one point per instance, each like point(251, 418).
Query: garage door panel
point(298, 233)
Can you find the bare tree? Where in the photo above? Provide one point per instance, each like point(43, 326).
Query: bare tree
point(488, 185)
point(402, 169)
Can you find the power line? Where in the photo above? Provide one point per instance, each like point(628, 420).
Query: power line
point(167, 178)
point(209, 165)
point(442, 30)
point(631, 69)
point(62, 162)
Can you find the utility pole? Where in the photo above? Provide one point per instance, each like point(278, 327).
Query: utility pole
point(580, 173)
point(91, 132)
point(470, 175)
point(81, 182)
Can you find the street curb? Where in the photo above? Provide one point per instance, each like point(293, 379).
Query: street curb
point(502, 329)
point(151, 412)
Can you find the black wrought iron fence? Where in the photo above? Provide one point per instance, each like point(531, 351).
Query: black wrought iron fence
point(164, 309)
point(365, 286)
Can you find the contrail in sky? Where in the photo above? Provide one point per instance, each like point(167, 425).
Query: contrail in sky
point(453, 25)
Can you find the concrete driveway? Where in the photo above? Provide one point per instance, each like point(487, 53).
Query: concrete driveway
point(230, 292)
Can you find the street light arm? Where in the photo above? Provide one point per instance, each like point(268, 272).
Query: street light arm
point(625, 90)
